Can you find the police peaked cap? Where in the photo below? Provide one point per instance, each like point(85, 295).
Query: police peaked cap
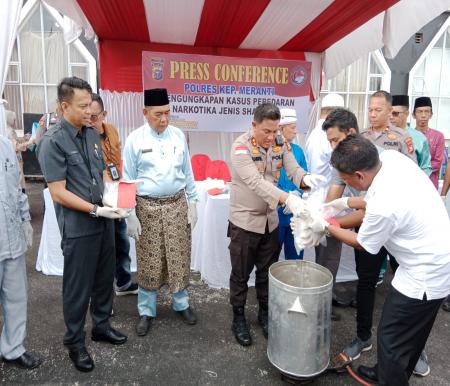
point(156, 97)
point(400, 100)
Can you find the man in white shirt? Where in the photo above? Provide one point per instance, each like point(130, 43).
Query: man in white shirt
point(318, 149)
point(404, 213)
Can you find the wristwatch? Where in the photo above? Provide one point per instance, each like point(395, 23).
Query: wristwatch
point(93, 212)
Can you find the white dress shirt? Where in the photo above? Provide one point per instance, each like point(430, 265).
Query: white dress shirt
point(405, 213)
point(161, 161)
point(318, 152)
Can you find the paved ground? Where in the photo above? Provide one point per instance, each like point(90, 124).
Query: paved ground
point(174, 353)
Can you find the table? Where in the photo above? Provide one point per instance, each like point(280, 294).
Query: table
point(210, 255)
point(50, 260)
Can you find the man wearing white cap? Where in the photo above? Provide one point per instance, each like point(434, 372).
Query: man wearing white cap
point(288, 125)
point(318, 149)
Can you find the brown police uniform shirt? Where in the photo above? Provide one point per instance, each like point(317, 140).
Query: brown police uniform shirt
point(255, 171)
point(392, 138)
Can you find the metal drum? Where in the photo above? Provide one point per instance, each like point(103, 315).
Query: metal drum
point(300, 294)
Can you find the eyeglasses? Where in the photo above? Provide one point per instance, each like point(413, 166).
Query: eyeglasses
point(95, 117)
point(397, 113)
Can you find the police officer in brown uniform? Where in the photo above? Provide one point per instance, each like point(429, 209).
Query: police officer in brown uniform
point(256, 159)
point(381, 133)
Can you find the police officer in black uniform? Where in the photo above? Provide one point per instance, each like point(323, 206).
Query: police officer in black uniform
point(71, 161)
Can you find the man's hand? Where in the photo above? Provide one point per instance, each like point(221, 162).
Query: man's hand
point(331, 209)
point(286, 210)
point(134, 226)
point(295, 204)
point(113, 213)
point(192, 213)
point(314, 180)
point(28, 231)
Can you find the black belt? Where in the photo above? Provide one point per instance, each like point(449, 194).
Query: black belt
point(164, 199)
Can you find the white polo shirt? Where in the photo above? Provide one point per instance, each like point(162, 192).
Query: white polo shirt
point(405, 214)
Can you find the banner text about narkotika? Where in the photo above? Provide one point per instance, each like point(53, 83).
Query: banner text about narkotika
point(228, 72)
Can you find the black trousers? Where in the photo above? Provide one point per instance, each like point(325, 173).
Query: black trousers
point(367, 268)
point(402, 333)
point(329, 256)
point(89, 265)
point(247, 250)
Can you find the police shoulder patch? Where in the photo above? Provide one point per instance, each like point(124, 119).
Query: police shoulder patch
point(409, 144)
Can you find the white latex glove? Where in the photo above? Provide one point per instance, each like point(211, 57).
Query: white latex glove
point(443, 199)
point(286, 209)
point(314, 180)
point(332, 208)
point(192, 213)
point(295, 204)
point(133, 226)
point(28, 231)
point(113, 213)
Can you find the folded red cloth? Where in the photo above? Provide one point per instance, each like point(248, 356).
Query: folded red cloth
point(215, 191)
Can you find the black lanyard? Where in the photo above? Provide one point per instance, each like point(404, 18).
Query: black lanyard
point(84, 154)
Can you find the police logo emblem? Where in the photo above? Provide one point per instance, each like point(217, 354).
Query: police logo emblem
point(157, 69)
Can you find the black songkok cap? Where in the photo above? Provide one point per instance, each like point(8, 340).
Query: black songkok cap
point(156, 97)
point(400, 100)
point(422, 102)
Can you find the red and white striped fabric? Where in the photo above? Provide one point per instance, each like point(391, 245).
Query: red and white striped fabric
point(342, 29)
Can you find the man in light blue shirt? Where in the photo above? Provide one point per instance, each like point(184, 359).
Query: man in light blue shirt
point(157, 154)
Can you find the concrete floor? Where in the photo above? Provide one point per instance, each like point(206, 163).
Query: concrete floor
point(174, 353)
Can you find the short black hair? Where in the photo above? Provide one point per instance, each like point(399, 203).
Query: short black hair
point(266, 111)
point(341, 118)
point(354, 153)
point(66, 86)
point(382, 94)
point(97, 98)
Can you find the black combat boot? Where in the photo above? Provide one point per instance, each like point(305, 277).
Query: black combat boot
point(240, 327)
point(263, 319)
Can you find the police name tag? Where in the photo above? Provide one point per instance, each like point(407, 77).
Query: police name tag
point(146, 151)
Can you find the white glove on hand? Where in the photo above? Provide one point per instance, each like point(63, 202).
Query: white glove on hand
point(134, 229)
point(113, 213)
point(28, 231)
point(332, 208)
point(192, 213)
point(286, 209)
point(295, 204)
point(314, 180)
